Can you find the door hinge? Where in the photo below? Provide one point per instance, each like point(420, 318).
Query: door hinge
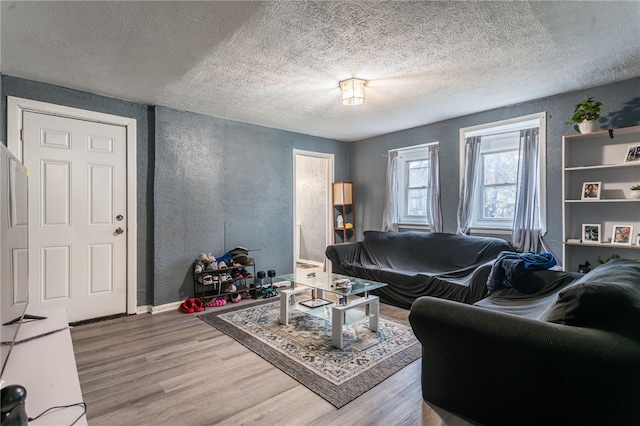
point(21, 135)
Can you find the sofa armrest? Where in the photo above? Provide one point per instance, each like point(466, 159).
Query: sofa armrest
point(499, 368)
point(478, 283)
point(339, 253)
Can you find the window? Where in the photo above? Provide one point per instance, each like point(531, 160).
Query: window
point(414, 184)
point(494, 194)
point(496, 181)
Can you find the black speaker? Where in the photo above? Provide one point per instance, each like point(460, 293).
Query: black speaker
point(14, 410)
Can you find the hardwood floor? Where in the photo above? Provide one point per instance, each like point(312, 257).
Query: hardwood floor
point(172, 368)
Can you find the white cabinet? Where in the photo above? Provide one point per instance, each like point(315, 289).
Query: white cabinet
point(600, 159)
point(45, 365)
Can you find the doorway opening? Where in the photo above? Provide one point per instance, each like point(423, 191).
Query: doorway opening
point(312, 178)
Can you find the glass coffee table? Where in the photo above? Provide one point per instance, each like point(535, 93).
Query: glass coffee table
point(327, 300)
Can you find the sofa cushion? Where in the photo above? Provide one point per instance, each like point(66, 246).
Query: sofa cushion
point(537, 290)
point(606, 298)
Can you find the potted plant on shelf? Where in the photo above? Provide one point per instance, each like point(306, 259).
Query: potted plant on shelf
point(585, 115)
point(635, 191)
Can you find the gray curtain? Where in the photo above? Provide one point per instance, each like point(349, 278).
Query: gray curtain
point(527, 221)
point(465, 205)
point(434, 209)
point(390, 215)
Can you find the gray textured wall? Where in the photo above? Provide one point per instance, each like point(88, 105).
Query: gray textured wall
point(210, 170)
point(203, 171)
point(621, 109)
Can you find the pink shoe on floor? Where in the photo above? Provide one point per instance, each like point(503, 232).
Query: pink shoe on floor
point(216, 303)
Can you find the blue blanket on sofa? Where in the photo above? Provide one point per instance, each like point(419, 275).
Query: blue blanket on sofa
point(510, 266)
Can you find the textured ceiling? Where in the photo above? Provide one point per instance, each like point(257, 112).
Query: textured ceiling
point(278, 64)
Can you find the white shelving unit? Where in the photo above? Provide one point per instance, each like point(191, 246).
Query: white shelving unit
point(599, 157)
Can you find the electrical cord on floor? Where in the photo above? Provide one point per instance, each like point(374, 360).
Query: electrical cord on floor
point(78, 404)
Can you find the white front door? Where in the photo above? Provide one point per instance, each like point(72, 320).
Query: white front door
point(14, 238)
point(77, 215)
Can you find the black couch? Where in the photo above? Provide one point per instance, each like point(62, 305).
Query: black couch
point(558, 348)
point(415, 264)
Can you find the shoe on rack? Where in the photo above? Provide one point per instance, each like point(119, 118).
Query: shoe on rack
point(206, 279)
point(198, 305)
point(187, 306)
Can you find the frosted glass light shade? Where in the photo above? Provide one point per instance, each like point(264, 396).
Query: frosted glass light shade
point(352, 91)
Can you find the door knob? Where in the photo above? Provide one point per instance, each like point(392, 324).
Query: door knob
point(119, 230)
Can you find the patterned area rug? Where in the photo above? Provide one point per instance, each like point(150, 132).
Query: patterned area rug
point(303, 349)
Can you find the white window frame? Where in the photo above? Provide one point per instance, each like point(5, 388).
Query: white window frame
point(501, 226)
point(405, 156)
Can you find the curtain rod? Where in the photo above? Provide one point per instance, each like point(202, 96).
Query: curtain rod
point(476, 132)
point(407, 148)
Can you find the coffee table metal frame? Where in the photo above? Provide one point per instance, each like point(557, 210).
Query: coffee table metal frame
point(319, 284)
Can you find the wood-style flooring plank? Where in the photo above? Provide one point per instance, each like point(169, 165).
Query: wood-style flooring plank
point(172, 368)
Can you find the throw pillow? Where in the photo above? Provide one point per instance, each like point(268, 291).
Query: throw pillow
point(606, 298)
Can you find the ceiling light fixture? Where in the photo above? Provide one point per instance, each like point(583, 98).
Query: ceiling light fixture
point(352, 91)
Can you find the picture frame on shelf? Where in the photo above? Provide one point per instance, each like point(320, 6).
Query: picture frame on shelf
point(633, 154)
point(591, 233)
point(591, 190)
point(622, 234)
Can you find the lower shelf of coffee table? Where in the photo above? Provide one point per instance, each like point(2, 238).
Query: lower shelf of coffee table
point(325, 312)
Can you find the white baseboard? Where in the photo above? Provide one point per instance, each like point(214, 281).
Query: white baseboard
point(144, 309)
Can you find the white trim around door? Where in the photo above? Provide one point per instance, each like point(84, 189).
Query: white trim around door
point(15, 109)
